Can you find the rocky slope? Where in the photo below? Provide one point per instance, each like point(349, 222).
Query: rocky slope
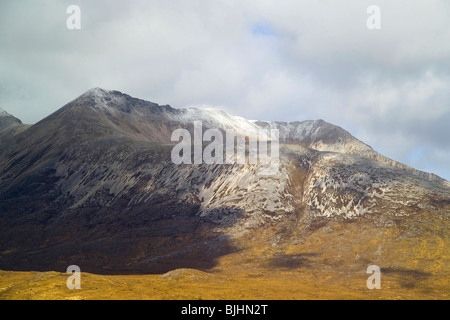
point(93, 184)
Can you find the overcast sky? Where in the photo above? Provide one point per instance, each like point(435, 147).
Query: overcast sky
point(267, 60)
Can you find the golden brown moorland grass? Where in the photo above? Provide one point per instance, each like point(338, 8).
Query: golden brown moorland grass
point(328, 263)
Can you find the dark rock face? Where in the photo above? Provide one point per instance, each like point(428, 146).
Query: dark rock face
point(93, 184)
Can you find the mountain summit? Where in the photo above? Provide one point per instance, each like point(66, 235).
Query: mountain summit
point(9, 125)
point(7, 120)
point(93, 184)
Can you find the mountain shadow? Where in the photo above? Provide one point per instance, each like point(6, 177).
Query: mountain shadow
point(140, 240)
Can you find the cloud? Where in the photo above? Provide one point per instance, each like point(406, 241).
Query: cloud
point(283, 60)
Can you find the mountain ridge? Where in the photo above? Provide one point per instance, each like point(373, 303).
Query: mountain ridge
point(94, 182)
point(335, 140)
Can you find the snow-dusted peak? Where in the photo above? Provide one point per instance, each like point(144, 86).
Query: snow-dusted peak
point(316, 134)
point(319, 135)
point(99, 92)
point(102, 98)
point(217, 119)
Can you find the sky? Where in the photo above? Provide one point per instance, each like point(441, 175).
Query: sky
point(267, 60)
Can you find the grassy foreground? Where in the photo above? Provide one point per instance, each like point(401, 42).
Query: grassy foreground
point(198, 285)
point(322, 265)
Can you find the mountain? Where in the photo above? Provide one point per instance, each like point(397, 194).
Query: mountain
point(9, 125)
point(7, 120)
point(93, 184)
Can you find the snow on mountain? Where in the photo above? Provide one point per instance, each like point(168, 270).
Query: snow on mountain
point(213, 118)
